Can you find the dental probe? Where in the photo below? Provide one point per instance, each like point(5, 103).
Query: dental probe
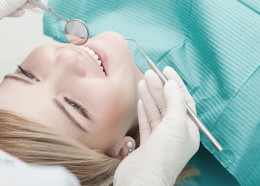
point(190, 112)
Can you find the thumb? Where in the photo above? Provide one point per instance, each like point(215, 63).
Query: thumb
point(175, 100)
point(17, 13)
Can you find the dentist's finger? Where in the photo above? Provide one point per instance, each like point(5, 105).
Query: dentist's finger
point(176, 111)
point(170, 73)
point(144, 126)
point(17, 13)
point(28, 6)
point(155, 86)
point(152, 112)
point(20, 12)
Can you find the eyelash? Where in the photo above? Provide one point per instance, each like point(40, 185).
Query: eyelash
point(27, 73)
point(75, 105)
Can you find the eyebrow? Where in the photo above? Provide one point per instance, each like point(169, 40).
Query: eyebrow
point(15, 77)
point(65, 111)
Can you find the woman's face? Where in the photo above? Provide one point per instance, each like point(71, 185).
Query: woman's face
point(64, 87)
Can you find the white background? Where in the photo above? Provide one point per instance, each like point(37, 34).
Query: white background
point(18, 37)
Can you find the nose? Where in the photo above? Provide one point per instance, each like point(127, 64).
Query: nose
point(70, 62)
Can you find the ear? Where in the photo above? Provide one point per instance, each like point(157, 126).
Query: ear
point(121, 150)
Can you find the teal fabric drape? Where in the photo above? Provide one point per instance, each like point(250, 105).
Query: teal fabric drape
point(215, 47)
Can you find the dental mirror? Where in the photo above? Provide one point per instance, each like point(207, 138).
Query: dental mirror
point(76, 31)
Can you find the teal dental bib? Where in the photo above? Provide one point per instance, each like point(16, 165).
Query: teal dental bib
point(214, 46)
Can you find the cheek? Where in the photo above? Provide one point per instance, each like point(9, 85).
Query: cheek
point(112, 111)
point(42, 54)
point(40, 60)
point(110, 123)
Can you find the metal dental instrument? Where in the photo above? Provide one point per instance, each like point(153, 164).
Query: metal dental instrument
point(190, 112)
point(75, 30)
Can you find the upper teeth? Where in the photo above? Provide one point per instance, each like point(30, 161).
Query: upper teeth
point(93, 55)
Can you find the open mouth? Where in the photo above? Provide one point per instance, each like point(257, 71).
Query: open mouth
point(95, 56)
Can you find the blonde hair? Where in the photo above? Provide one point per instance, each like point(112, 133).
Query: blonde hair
point(34, 143)
point(37, 144)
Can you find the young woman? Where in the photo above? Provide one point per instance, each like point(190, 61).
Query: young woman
point(76, 107)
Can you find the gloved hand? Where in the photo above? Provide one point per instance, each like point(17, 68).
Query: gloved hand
point(13, 8)
point(169, 138)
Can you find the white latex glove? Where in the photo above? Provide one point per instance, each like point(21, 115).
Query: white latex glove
point(13, 8)
point(169, 138)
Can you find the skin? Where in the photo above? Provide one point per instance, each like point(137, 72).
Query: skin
point(66, 72)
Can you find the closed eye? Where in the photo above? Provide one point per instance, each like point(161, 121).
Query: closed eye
point(78, 107)
point(28, 73)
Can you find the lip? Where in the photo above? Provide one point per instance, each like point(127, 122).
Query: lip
point(90, 57)
point(102, 56)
